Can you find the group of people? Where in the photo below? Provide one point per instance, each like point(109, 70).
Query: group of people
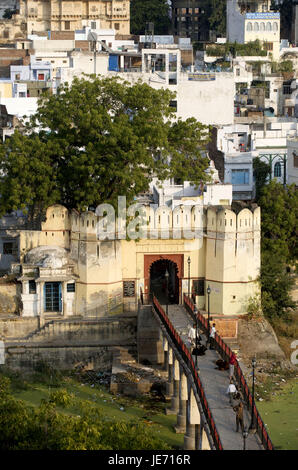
point(235, 396)
point(192, 335)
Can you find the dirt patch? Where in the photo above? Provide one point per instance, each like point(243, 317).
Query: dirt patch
point(257, 338)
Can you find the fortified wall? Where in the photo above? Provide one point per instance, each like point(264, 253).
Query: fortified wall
point(201, 246)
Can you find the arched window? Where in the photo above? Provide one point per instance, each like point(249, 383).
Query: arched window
point(262, 27)
point(268, 26)
point(249, 27)
point(277, 170)
point(275, 27)
point(256, 27)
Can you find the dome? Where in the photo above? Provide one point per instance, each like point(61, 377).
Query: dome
point(47, 257)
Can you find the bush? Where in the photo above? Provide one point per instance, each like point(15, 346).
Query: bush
point(61, 398)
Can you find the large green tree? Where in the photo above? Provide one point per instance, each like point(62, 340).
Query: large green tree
point(279, 206)
point(96, 140)
point(285, 7)
point(216, 13)
point(261, 172)
point(155, 11)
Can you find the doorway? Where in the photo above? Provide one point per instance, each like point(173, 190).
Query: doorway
point(165, 288)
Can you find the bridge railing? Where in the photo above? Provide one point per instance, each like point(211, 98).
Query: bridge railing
point(187, 357)
point(225, 352)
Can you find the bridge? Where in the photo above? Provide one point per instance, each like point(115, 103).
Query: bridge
point(198, 391)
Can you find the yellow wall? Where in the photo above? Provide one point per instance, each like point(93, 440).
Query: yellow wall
point(5, 90)
point(227, 257)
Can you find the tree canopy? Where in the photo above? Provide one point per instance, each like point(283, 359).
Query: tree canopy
point(155, 11)
point(279, 206)
point(96, 140)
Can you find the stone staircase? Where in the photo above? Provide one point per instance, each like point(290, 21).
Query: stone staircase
point(78, 330)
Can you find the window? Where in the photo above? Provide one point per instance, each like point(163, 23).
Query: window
point(53, 297)
point(262, 27)
point(32, 287)
point(173, 104)
point(277, 170)
point(8, 248)
point(240, 176)
point(275, 27)
point(287, 89)
point(117, 26)
point(18, 76)
point(249, 27)
point(295, 160)
point(256, 27)
point(93, 24)
point(41, 76)
point(67, 25)
point(199, 287)
point(71, 287)
point(269, 26)
point(268, 46)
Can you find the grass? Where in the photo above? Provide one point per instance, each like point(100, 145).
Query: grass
point(281, 417)
point(115, 407)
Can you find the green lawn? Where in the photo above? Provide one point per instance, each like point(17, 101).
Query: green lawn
point(117, 408)
point(280, 414)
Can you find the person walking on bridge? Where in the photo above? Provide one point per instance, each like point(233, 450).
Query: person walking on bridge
point(192, 335)
point(239, 416)
point(231, 391)
point(232, 364)
point(212, 336)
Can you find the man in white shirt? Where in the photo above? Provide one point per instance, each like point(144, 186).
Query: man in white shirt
point(212, 336)
point(231, 390)
point(192, 335)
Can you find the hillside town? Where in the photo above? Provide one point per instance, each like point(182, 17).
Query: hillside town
point(149, 188)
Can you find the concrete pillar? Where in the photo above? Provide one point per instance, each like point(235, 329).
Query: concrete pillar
point(193, 421)
point(165, 352)
point(175, 398)
point(169, 384)
point(41, 304)
point(122, 63)
point(25, 287)
point(64, 301)
point(205, 445)
point(181, 417)
point(167, 61)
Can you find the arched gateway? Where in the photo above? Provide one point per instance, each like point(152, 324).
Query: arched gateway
point(155, 268)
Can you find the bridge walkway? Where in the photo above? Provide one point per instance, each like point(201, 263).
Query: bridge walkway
point(215, 383)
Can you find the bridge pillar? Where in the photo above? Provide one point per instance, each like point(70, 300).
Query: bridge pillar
point(169, 384)
point(181, 417)
point(175, 398)
point(165, 352)
point(193, 421)
point(204, 444)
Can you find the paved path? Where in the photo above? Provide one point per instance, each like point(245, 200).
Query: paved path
point(215, 384)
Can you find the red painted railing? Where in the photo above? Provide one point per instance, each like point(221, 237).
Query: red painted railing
point(225, 352)
point(187, 357)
